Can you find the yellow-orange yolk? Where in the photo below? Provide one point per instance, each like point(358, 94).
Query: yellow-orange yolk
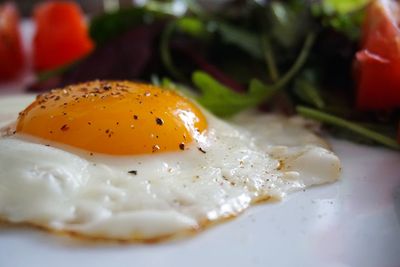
point(114, 117)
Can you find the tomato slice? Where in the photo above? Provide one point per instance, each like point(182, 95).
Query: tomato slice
point(11, 55)
point(378, 61)
point(61, 35)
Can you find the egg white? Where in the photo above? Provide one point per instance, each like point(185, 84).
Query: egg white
point(251, 158)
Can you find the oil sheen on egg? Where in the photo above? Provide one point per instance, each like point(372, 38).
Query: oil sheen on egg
point(127, 161)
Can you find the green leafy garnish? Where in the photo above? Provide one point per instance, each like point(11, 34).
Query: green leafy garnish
point(165, 52)
point(221, 100)
point(299, 63)
point(344, 6)
point(192, 26)
point(249, 42)
point(347, 125)
point(342, 15)
point(289, 22)
point(305, 88)
point(169, 84)
point(225, 102)
point(109, 25)
point(270, 59)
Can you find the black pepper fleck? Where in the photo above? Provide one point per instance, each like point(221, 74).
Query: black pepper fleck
point(201, 150)
point(182, 146)
point(134, 172)
point(159, 121)
point(65, 127)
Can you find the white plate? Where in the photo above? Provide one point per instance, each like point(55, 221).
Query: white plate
point(354, 222)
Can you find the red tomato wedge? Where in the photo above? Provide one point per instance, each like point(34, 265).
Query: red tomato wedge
point(61, 35)
point(378, 61)
point(11, 54)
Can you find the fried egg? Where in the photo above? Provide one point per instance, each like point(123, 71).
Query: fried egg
point(127, 161)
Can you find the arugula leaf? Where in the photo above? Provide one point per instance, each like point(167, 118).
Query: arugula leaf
point(246, 40)
point(342, 15)
point(299, 63)
point(221, 100)
point(348, 24)
point(171, 85)
point(249, 42)
point(183, 89)
point(192, 26)
point(224, 102)
point(270, 59)
point(347, 125)
point(289, 22)
point(165, 51)
point(344, 6)
point(305, 88)
point(109, 25)
point(188, 25)
point(308, 93)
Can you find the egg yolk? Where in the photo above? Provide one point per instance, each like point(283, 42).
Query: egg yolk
point(114, 117)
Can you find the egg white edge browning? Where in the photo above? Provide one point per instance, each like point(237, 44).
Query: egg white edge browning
point(254, 157)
